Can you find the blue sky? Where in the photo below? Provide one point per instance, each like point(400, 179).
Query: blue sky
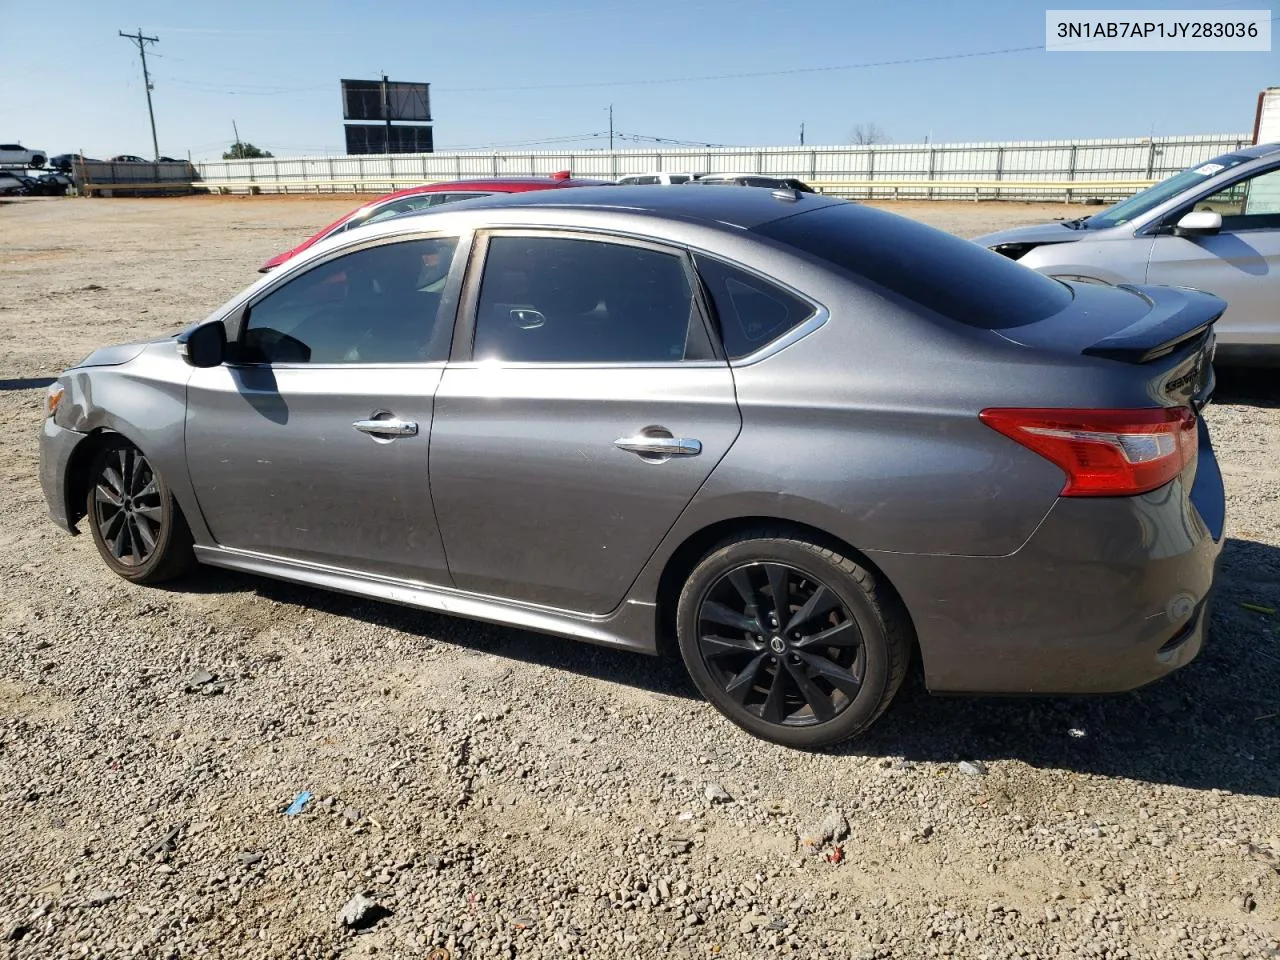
point(67, 81)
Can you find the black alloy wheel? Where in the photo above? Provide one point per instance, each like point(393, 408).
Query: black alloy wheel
point(790, 639)
point(136, 524)
point(781, 643)
point(127, 506)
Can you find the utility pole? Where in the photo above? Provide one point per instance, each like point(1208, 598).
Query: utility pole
point(386, 109)
point(611, 128)
point(142, 42)
point(802, 133)
point(238, 150)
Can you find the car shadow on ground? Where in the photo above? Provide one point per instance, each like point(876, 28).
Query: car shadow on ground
point(25, 383)
point(1213, 725)
point(1257, 387)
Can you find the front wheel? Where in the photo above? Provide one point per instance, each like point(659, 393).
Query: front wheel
point(137, 525)
point(790, 640)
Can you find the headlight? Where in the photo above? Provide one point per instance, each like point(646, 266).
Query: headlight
point(52, 397)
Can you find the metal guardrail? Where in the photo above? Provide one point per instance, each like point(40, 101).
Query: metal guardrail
point(1032, 170)
point(109, 189)
point(896, 189)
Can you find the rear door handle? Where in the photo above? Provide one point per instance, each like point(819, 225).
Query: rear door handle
point(390, 427)
point(660, 446)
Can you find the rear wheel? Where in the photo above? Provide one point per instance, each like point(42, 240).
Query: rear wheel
point(792, 641)
point(136, 523)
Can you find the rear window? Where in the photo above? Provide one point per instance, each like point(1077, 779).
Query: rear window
point(960, 280)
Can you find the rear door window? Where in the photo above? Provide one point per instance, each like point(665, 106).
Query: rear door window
point(954, 278)
point(547, 299)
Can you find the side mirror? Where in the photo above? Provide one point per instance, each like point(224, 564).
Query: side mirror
point(1198, 223)
point(205, 345)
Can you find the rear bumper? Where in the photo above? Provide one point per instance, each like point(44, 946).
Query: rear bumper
point(57, 445)
point(1106, 596)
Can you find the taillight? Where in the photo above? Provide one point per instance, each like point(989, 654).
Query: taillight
point(1105, 453)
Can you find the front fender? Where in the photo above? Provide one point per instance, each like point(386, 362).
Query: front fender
point(144, 401)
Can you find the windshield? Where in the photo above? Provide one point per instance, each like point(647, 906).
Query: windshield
point(1152, 197)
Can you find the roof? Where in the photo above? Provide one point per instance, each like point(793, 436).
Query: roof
point(743, 207)
point(492, 183)
point(1257, 150)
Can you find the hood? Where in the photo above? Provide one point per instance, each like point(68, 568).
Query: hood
point(120, 353)
point(278, 259)
point(1019, 241)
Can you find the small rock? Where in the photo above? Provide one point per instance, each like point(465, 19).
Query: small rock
point(168, 843)
point(213, 689)
point(358, 911)
point(199, 679)
point(750, 923)
point(679, 846)
point(17, 932)
point(1245, 903)
point(249, 859)
point(972, 768)
point(102, 897)
point(833, 827)
point(716, 794)
point(352, 816)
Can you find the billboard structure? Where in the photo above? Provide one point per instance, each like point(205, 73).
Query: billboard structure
point(385, 103)
point(373, 138)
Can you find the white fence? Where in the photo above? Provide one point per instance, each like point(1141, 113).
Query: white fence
point(1031, 169)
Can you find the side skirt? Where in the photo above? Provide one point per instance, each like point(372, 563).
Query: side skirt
point(630, 627)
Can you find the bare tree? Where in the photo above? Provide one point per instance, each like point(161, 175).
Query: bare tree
point(868, 133)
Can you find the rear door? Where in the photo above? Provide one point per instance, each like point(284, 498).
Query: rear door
point(584, 407)
point(1241, 264)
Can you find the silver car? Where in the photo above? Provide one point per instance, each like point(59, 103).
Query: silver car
point(798, 439)
point(1214, 227)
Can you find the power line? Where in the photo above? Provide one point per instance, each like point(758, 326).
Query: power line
point(748, 75)
point(141, 43)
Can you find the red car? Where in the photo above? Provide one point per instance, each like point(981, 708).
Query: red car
point(431, 195)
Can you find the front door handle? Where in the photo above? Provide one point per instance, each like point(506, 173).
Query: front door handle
point(390, 427)
point(659, 446)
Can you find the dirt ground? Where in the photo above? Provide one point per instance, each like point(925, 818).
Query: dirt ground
point(504, 794)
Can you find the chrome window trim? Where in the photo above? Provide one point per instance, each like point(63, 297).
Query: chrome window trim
point(796, 333)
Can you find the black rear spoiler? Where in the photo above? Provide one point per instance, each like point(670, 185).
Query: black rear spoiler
point(1177, 316)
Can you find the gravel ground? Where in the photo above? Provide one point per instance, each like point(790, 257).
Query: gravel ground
point(493, 793)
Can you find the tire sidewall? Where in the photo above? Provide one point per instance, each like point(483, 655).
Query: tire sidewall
point(143, 570)
point(809, 560)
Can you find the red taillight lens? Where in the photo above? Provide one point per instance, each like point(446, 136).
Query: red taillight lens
point(1105, 453)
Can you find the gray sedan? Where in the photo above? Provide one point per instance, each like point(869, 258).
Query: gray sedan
point(1214, 227)
point(799, 440)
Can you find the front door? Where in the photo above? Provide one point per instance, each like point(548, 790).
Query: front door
point(586, 410)
point(314, 444)
point(1241, 264)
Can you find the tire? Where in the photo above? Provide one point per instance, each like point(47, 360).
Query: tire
point(127, 504)
point(830, 691)
point(37, 161)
